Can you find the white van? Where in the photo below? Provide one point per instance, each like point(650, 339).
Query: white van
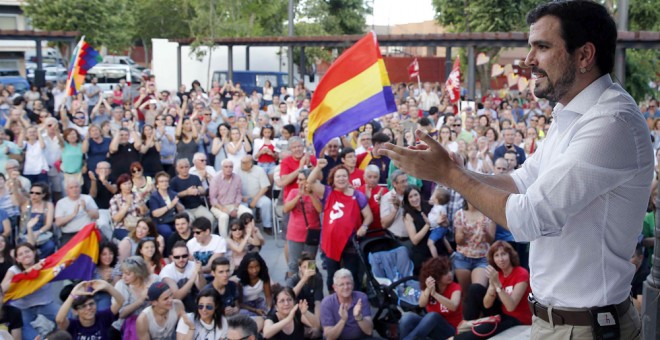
point(109, 76)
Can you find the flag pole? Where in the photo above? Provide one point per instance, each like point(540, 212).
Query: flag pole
point(419, 85)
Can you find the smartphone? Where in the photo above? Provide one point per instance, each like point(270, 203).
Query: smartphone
point(311, 265)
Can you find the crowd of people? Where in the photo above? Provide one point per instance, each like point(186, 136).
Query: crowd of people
point(182, 185)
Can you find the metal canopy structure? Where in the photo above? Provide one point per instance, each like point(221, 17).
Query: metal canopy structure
point(626, 39)
point(38, 37)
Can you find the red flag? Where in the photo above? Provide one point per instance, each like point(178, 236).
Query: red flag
point(413, 69)
point(453, 83)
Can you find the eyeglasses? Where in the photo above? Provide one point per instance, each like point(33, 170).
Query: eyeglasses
point(456, 125)
point(208, 307)
point(36, 193)
point(87, 305)
point(275, 118)
point(197, 232)
point(78, 117)
point(202, 160)
point(235, 229)
point(136, 170)
point(179, 257)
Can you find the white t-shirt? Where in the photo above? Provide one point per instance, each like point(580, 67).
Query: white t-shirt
point(434, 214)
point(65, 206)
point(217, 245)
point(202, 329)
point(170, 272)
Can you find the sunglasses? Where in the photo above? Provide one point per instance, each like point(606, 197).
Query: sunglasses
point(202, 160)
point(275, 118)
point(178, 257)
point(236, 229)
point(456, 125)
point(197, 232)
point(136, 170)
point(208, 307)
point(36, 193)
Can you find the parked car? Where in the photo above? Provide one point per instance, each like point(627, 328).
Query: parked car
point(13, 77)
point(109, 76)
point(123, 60)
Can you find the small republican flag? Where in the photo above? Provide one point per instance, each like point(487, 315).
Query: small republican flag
point(413, 69)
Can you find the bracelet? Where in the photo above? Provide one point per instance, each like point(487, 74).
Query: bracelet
point(360, 319)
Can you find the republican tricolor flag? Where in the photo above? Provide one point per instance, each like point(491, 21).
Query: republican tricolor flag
point(76, 260)
point(355, 90)
point(84, 57)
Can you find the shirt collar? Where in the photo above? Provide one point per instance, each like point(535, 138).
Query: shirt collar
point(585, 100)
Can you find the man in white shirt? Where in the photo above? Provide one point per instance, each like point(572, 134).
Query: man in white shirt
point(183, 275)
point(204, 246)
point(428, 98)
point(74, 211)
point(254, 186)
point(577, 198)
point(202, 170)
point(391, 212)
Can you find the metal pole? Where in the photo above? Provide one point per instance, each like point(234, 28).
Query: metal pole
point(290, 54)
point(620, 54)
point(302, 64)
point(471, 73)
point(179, 79)
point(230, 62)
point(39, 55)
point(247, 58)
point(448, 63)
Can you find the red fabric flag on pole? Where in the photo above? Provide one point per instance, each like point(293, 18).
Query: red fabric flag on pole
point(413, 69)
point(453, 82)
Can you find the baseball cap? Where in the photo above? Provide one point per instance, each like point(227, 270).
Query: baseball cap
point(156, 290)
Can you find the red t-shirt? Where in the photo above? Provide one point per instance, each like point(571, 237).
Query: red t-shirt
point(266, 158)
point(522, 312)
point(356, 178)
point(455, 317)
point(373, 205)
point(297, 228)
point(289, 165)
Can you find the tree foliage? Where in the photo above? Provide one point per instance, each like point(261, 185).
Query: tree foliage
point(337, 16)
point(483, 16)
point(103, 22)
point(160, 19)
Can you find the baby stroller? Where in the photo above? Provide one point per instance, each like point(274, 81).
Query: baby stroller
point(391, 288)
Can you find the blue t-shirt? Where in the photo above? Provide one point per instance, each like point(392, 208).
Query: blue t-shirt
point(330, 314)
point(98, 331)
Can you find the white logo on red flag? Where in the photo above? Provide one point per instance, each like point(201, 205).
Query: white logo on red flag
point(453, 83)
point(413, 69)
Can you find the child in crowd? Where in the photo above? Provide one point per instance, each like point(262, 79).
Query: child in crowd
point(438, 219)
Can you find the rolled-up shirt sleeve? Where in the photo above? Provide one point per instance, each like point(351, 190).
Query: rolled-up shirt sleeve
point(598, 157)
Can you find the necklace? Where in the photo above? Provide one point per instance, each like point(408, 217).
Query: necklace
point(207, 330)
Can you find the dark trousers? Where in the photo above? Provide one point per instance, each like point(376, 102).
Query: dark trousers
point(432, 325)
point(349, 260)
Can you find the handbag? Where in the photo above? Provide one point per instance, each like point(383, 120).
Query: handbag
point(313, 237)
point(469, 326)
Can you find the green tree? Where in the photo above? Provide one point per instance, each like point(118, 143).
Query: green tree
point(103, 22)
point(159, 19)
point(642, 66)
point(483, 16)
point(337, 16)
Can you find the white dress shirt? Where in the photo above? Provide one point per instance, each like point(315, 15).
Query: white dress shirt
point(583, 196)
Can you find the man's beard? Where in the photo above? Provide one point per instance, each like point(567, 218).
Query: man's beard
point(554, 92)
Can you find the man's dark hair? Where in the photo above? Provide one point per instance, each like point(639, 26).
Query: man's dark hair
point(424, 121)
point(380, 137)
point(345, 151)
point(201, 223)
point(244, 323)
point(582, 21)
point(180, 244)
point(219, 261)
point(182, 215)
point(433, 110)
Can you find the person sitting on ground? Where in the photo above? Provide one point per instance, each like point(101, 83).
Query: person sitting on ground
point(242, 327)
point(183, 275)
point(307, 284)
point(253, 276)
point(159, 320)
point(208, 317)
point(441, 297)
point(89, 322)
point(204, 246)
point(230, 292)
point(148, 250)
point(508, 288)
point(182, 232)
point(290, 318)
point(346, 314)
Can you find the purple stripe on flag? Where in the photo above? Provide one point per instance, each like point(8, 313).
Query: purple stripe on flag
point(375, 106)
point(80, 269)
